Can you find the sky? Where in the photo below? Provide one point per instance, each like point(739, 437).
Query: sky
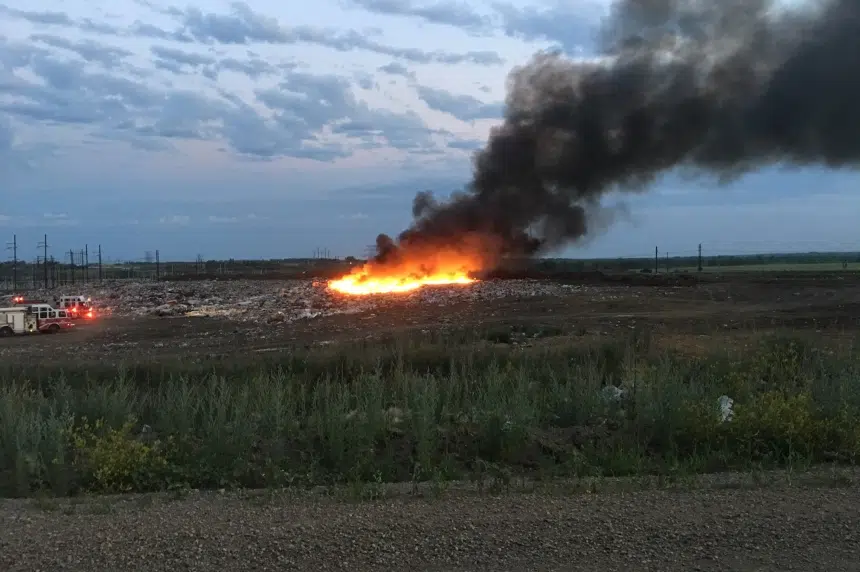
point(265, 129)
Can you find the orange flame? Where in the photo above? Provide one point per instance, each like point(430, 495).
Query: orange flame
point(413, 268)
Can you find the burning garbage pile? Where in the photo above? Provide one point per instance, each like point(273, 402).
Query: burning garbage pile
point(269, 301)
point(715, 89)
point(398, 269)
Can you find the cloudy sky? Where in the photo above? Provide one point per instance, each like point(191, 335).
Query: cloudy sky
point(269, 129)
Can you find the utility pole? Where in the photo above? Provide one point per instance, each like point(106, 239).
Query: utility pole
point(667, 263)
point(100, 263)
point(157, 265)
point(72, 265)
point(86, 262)
point(700, 257)
point(44, 246)
point(13, 246)
point(656, 260)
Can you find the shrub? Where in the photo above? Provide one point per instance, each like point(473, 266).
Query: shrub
point(113, 460)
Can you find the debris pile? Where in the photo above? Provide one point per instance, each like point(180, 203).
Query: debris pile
point(287, 301)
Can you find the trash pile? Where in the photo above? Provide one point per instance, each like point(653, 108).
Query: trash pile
point(286, 301)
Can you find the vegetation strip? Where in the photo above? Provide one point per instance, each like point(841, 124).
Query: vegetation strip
point(415, 411)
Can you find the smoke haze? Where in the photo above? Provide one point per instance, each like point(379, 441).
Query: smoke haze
point(715, 88)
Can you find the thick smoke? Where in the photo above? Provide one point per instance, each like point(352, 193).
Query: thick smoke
point(710, 87)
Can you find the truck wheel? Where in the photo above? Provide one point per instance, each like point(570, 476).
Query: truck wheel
point(6, 331)
point(53, 329)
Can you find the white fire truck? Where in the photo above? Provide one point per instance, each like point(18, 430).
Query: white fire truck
point(77, 306)
point(36, 318)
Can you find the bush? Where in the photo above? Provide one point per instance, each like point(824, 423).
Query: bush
point(113, 460)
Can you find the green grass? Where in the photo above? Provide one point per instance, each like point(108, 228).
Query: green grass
point(426, 409)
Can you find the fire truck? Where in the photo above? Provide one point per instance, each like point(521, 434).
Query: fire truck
point(78, 307)
point(35, 318)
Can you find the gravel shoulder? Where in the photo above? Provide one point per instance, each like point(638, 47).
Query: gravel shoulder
point(790, 522)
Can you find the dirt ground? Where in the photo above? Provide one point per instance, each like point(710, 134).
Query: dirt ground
point(689, 313)
point(721, 523)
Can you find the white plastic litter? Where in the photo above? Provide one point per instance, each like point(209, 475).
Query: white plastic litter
point(726, 405)
point(612, 393)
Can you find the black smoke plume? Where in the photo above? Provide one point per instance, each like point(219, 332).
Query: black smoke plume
point(709, 87)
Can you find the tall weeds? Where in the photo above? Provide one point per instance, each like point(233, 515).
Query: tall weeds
point(425, 410)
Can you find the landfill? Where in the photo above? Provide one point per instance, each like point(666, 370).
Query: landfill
point(289, 300)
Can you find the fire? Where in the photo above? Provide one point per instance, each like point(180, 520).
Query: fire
point(409, 272)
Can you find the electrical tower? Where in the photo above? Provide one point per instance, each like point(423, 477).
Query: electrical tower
point(13, 246)
point(82, 264)
point(44, 246)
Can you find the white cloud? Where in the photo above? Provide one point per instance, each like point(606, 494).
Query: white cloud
point(235, 218)
point(219, 85)
point(175, 219)
point(56, 216)
point(130, 116)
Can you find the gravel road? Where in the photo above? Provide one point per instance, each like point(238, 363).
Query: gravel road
point(802, 526)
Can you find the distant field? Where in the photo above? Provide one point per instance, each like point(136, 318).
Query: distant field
point(776, 267)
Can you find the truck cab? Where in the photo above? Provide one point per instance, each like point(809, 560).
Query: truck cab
point(50, 320)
